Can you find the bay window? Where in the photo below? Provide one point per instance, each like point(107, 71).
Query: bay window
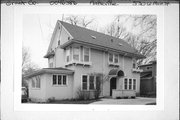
point(76, 53)
point(86, 54)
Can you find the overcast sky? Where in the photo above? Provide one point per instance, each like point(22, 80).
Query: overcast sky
point(38, 28)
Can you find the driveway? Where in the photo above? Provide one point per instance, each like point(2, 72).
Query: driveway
point(136, 101)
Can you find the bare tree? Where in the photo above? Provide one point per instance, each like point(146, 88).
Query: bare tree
point(79, 20)
point(142, 35)
point(27, 66)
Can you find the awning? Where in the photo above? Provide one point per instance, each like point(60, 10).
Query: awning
point(116, 72)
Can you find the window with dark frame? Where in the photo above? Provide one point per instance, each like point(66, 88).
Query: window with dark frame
point(125, 83)
point(134, 84)
point(59, 80)
point(84, 82)
point(91, 82)
point(130, 84)
point(64, 80)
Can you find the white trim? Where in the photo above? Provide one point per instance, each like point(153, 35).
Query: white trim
point(84, 54)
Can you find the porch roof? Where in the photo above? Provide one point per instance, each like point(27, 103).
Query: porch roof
point(116, 72)
point(58, 70)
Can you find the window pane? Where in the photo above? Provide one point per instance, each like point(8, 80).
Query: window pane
point(134, 84)
point(125, 84)
point(91, 82)
point(115, 58)
point(86, 58)
point(134, 63)
point(59, 80)
point(130, 84)
point(84, 82)
point(64, 80)
point(86, 51)
point(76, 54)
point(110, 57)
point(54, 80)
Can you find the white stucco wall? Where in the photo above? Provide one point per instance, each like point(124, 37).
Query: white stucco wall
point(38, 94)
point(99, 61)
point(58, 91)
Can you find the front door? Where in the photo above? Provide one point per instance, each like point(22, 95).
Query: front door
point(112, 85)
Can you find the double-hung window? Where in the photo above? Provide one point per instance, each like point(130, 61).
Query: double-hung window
point(91, 82)
point(125, 83)
point(59, 80)
point(86, 54)
point(76, 53)
point(130, 84)
point(134, 84)
point(110, 57)
point(116, 58)
point(84, 82)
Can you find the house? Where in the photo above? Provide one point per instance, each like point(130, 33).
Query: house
point(148, 79)
point(85, 60)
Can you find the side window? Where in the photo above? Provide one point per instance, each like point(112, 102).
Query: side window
point(84, 82)
point(134, 84)
point(125, 83)
point(130, 84)
point(67, 55)
point(86, 54)
point(76, 53)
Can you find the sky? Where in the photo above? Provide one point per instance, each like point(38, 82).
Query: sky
point(38, 28)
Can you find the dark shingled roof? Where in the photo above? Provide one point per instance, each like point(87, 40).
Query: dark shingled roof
point(97, 38)
point(58, 70)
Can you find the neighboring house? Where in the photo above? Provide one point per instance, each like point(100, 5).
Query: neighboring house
point(79, 59)
point(148, 79)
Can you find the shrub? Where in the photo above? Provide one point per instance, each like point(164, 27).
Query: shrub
point(83, 95)
point(51, 99)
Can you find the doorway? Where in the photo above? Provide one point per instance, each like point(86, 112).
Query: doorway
point(112, 85)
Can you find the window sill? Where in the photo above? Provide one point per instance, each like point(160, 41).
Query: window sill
point(78, 63)
point(137, 70)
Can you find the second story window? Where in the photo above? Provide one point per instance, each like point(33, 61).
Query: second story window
point(110, 57)
point(86, 54)
point(116, 58)
point(76, 53)
point(67, 55)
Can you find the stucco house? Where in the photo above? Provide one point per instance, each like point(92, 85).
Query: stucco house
point(78, 59)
